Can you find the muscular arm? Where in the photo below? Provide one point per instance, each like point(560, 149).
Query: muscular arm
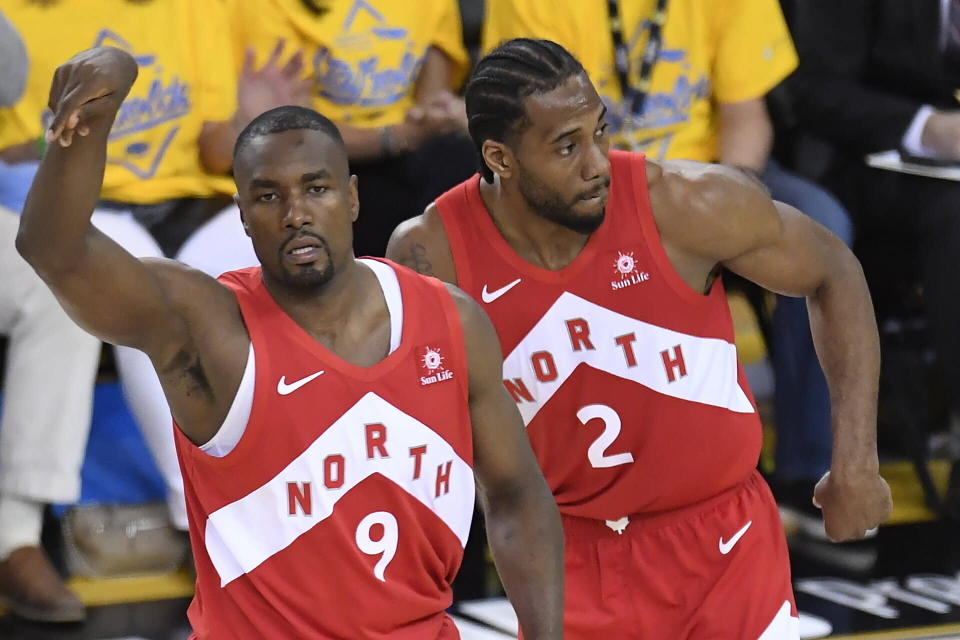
point(732, 221)
point(421, 244)
point(803, 258)
point(108, 292)
point(92, 276)
point(523, 524)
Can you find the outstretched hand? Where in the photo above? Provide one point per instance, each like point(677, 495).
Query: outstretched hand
point(273, 84)
point(88, 89)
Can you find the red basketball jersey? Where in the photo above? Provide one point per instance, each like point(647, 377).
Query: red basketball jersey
point(343, 510)
point(627, 379)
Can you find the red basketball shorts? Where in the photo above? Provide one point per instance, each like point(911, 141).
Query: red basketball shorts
point(715, 570)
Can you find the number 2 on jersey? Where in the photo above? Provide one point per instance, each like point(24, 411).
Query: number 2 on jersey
point(597, 453)
point(386, 545)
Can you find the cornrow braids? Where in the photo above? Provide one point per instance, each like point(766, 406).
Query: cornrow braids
point(501, 81)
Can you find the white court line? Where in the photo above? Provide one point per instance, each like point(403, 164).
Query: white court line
point(498, 613)
point(473, 631)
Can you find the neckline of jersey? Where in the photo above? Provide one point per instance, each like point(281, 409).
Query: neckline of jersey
point(331, 359)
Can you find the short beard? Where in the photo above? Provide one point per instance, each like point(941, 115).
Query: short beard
point(547, 204)
point(309, 278)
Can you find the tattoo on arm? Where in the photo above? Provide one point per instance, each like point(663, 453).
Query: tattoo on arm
point(417, 260)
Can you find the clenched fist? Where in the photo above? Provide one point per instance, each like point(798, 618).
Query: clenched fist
point(852, 505)
point(87, 91)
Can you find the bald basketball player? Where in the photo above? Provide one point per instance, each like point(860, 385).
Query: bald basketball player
point(600, 271)
point(331, 413)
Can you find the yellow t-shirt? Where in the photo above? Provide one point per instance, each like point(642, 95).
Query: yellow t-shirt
point(365, 55)
point(186, 78)
point(712, 51)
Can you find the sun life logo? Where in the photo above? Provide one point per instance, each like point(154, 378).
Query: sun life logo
point(625, 263)
point(431, 367)
point(625, 271)
point(432, 359)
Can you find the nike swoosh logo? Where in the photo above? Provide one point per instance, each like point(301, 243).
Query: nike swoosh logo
point(490, 296)
point(285, 389)
point(727, 547)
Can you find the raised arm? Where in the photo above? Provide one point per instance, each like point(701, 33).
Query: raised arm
point(735, 223)
point(106, 290)
point(523, 524)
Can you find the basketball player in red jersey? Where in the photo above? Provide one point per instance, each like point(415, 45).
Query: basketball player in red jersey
point(599, 270)
point(332, 413)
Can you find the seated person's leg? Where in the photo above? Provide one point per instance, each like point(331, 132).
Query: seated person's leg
point(144, 396)
point(219, 245)
point(48, 394)
point(917, 217)
point(141, 387)
point(810, 198)
point(936, 204)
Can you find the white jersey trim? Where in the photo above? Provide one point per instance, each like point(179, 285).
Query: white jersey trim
point(390, 286)
point(234, 425)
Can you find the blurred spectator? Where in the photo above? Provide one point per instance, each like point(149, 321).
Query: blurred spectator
point(13, 64)
point(702, 97)
point(41, 441)
point(13, 80)
point(47, 401)
point(166, 192)
point(386, 72)
point(877, 75)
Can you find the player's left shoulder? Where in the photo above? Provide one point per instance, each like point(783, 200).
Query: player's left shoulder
point(714, 210)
